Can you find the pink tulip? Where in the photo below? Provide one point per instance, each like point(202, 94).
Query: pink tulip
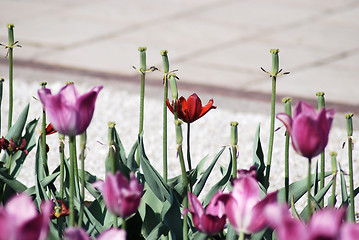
point(69, 112)
point(324, 224)
point(75, 233)
point(309, 130)
point(19, 219)
point(122, 196)
point(210, 221)
point(244, 207)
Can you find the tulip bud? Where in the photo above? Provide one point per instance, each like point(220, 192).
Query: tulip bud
point(11, 34)
point(321, 101)
point(142, 51)
point(349, 117)
point(179, 137)
point(275, 61)
point(173, 84)
point(234, 133)
point(166, 65)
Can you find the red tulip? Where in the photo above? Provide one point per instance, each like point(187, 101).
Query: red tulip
point(69, 112)
point(309, 130)
point(191, 109)
point(211, 220)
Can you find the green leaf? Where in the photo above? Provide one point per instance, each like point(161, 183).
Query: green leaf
point(152, 177)
point(157, 232)
point(258, 159)
point(343, 187)
point(297, 189)
point(17, 129)
point(11, 182)
point(231, 233)
point(219, 185)
point(172, 217)
point(199, 186)
point(317, 198)
point(316, 179)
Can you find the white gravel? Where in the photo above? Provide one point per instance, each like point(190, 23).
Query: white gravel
point(119, 102)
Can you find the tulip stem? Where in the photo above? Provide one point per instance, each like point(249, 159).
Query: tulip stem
point(241, 236)
point(43, 140)
point(185, 188)
point(188, 147)
point(123, 225)
point(82, 158)
point(334, 172)
point(62, 162)
point(271, 133)
point(72, 179)
point(11, 72)
point(142, 51)
point(349, 117)
point(287, 110)
point(1, 93)
point(166, 69)
point(321, 104)
point(309, 186)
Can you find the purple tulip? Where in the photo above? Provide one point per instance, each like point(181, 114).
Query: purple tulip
point(122, 196)
point(69, 112)
point(309, 130)
point(75, 233)
point(244, 207)
point(324, 224)
point(19, 219)
point(210, 221)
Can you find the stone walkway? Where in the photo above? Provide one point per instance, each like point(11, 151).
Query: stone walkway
point(217, 45)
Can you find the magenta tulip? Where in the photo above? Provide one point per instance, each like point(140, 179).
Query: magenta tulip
point(75, 233)
point(309, 130)
point(19, 219)
point(244, 207)
point(69, 112)
point(122, 196)
point(324, 224)
point(211, 220)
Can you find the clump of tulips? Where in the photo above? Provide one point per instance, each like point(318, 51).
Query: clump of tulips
point(136, 202)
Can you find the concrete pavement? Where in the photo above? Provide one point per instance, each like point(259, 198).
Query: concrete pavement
point(217, 45)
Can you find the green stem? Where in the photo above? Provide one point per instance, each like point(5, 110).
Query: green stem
point(62, 162)
point(271, 133)
point(164, 130)
point(188, 147)
point(309, 186)
point(350, 159)
point(123, 226)
point(1, 93)
point(72, 179)
point(234, 157)
point(11, 88)
point(287, 110)
point(334, 172)
point(111, 151)
point(321, 104)
point(142, 93)
point(241, 236)
point(185, 187)
point(82, 194)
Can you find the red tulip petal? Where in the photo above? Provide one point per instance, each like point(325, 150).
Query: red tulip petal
point(206, 108)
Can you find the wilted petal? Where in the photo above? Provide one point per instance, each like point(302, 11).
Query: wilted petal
point(206, 108)
point(286, 120)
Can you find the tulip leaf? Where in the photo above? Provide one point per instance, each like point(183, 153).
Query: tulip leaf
point(172, 217)
point(219, 185)
point(297, 189)
point(152, 177)
point(89, 180)
point(19, 157)
point(200, 236)
point(316, 179)
point(266, 234)
point(131, 160)
point(17, 129)
point(158, 231)
point(258, 159)
point(199, 186)
point(88, 217)
point(231, 233)
point(317, 198)
point(343, 186)
point(11, 181)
